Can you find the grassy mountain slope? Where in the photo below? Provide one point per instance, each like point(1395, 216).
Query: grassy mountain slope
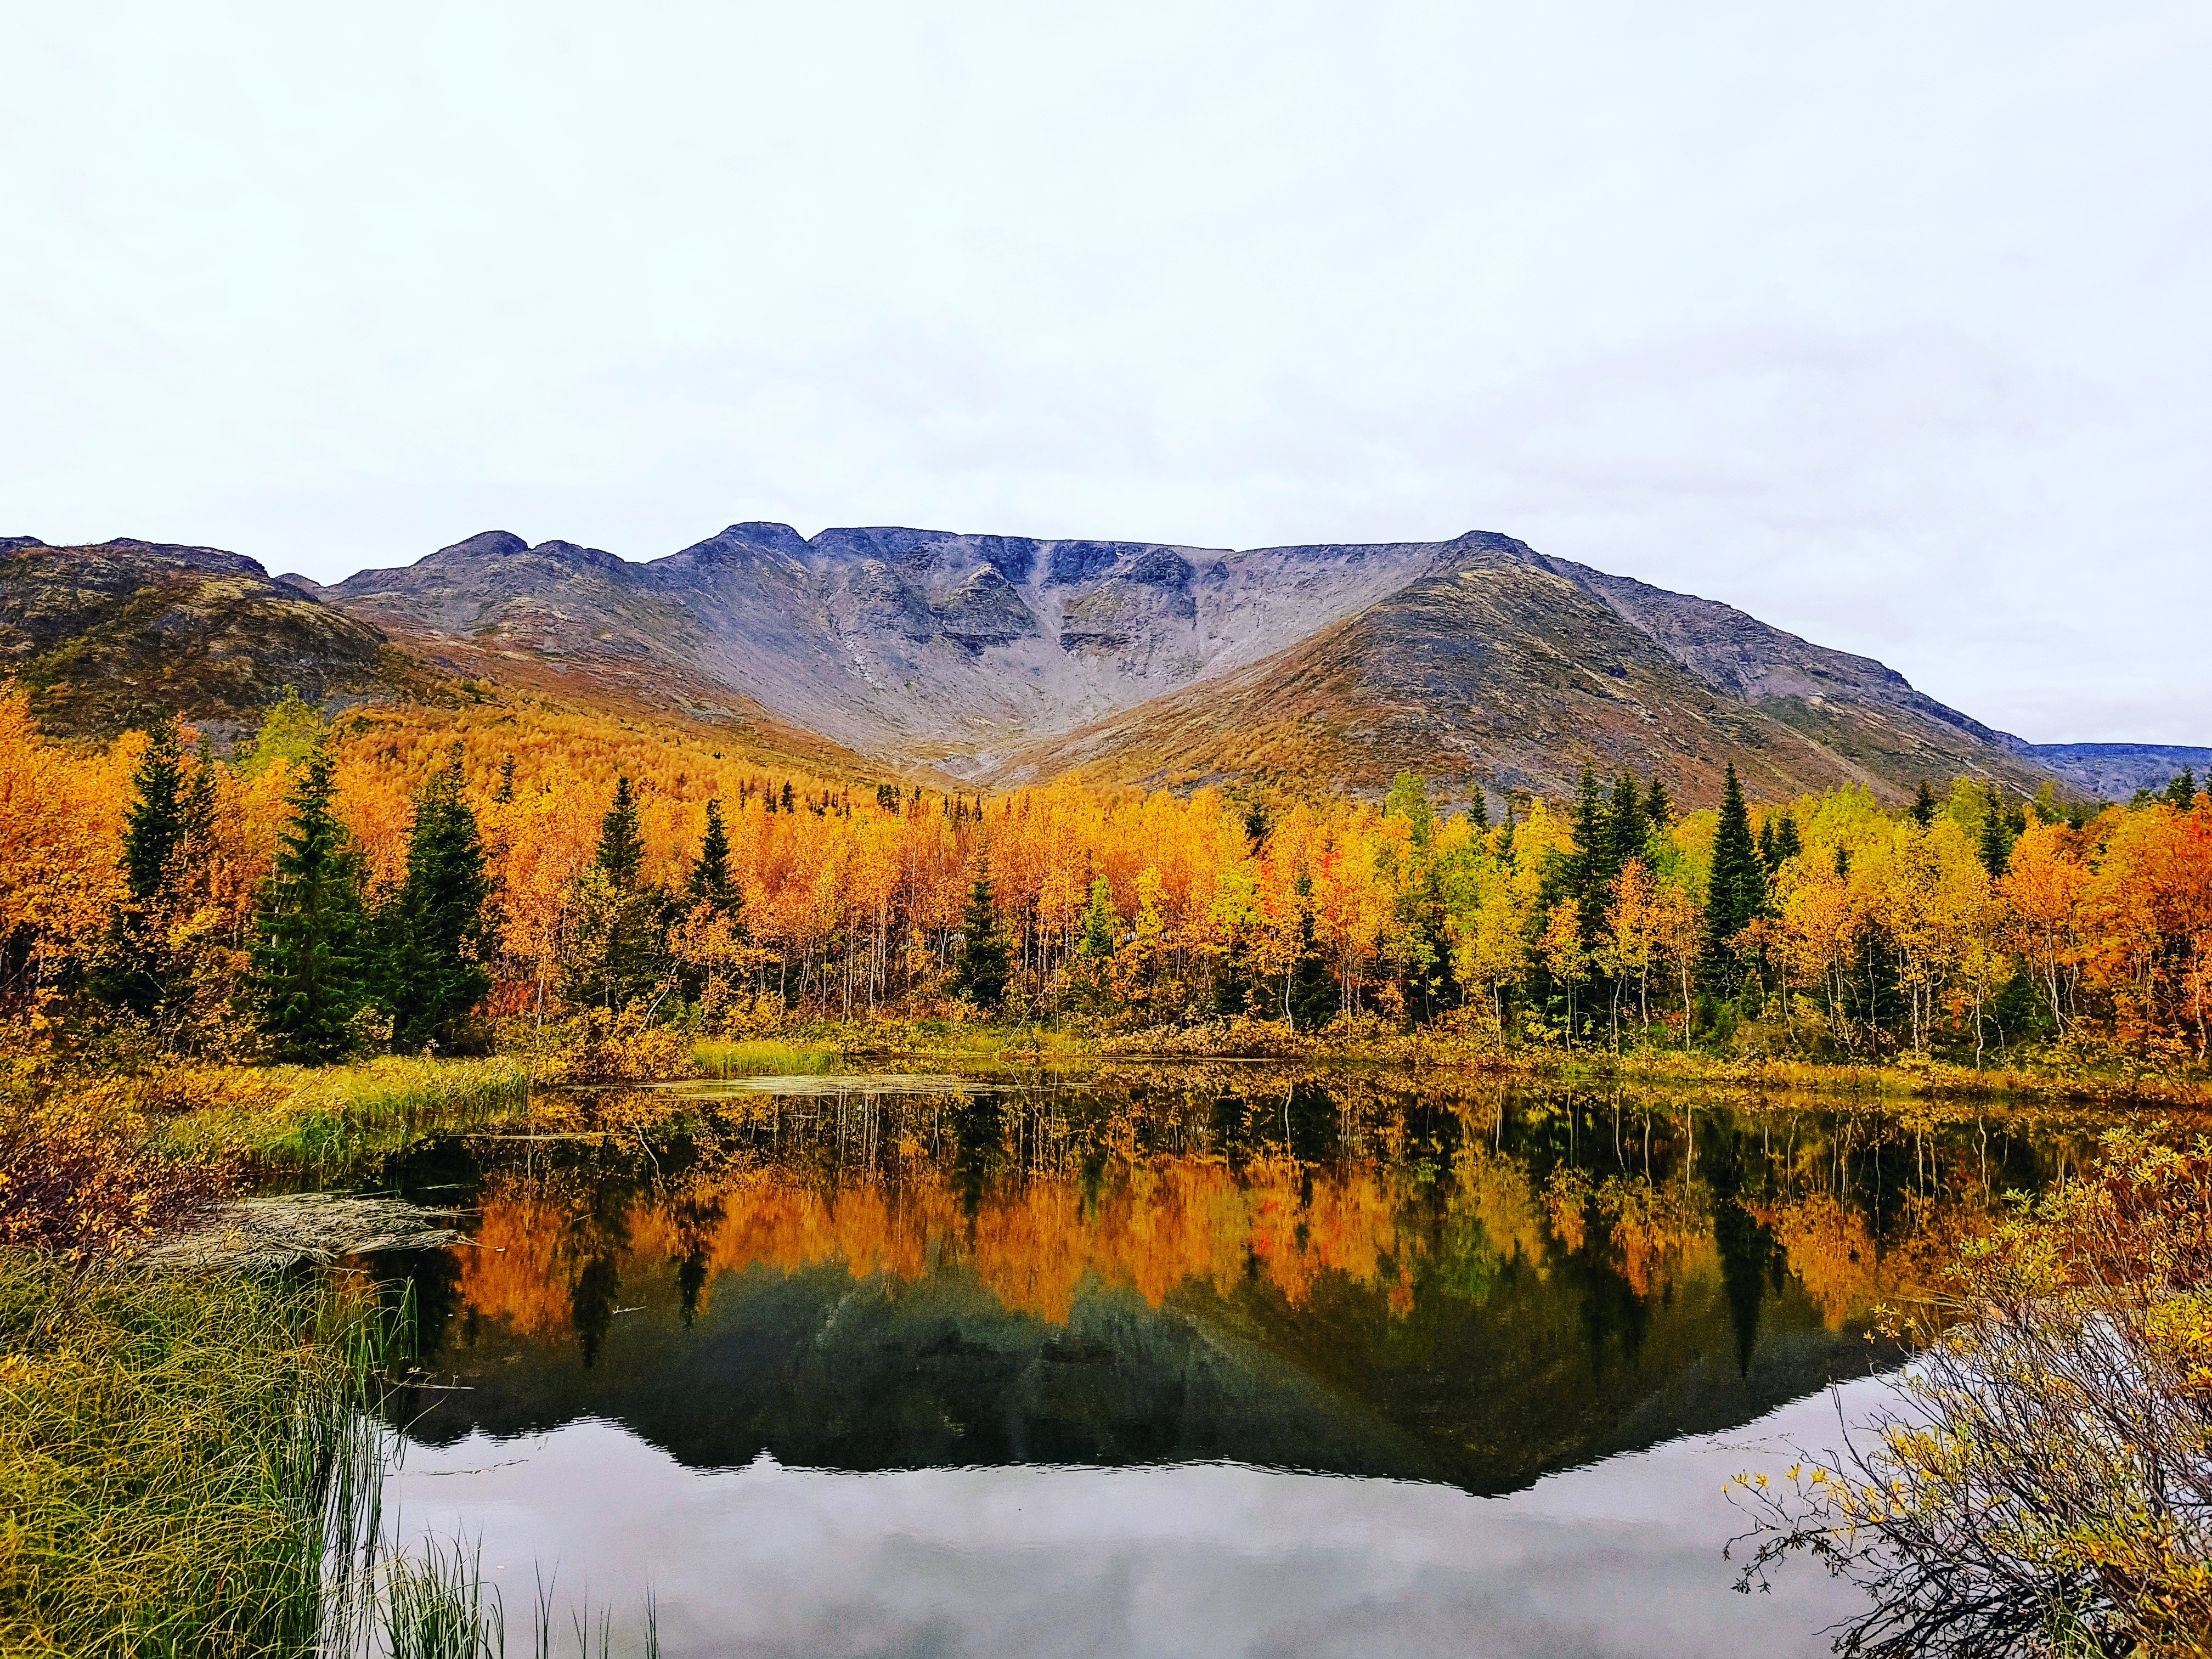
point(1500, 672)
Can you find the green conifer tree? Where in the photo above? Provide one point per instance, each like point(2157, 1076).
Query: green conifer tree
point(622, 845)
point(1590, 871)
point(437, 932)
point(1310, 998)
point(154, 823)
point(981, 969)
point(1477, 810)
point(1658, 810)
point(2181, 793)
point(1737, 892)
point(1787, 843)
point(1995, 847)
point(1102, 923)
point(711, 883)
point(1625, 823)
point(134, 973)
point(307, 983)
point(1924, 805)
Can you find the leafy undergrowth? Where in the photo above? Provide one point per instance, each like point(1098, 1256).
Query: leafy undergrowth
point(171, 1448)
point(2036, 1482)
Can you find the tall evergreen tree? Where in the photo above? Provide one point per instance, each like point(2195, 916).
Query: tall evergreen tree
point(1590, 870)
point(1478, 809)
point(1996, 847)
point(1767, 845)
point(1924, 805)
point(711, 882)
point(154, 823)
point(2181, 793)
point(1625, 823)
point(1102, 923)
point(436, 930)
point(1658, 810)
point(1310, 997)
point(1787, 843)
point(983, 969)
point(133, 974)
point(622, 845)
point(505, 794)
point(1737, 892)
point(308, 980)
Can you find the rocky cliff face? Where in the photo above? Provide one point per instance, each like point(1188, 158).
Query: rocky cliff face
point(107, 637)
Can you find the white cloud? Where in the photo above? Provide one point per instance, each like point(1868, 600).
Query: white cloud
point(1887, 326)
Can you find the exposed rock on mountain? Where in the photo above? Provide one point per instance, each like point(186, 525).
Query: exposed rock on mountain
point(1501, 670)
point(1008, 659)
point(107, 636)
point(2114, 771)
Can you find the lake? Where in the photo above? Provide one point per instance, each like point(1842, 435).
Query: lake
point(1201, 1359)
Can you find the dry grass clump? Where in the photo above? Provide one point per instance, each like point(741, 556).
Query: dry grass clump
point(171, 1449)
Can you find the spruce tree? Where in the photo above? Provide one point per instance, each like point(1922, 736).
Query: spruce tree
point(1767, 845)
point(436, 934)
point(308, 980)
point(1102, 923)
point(1477, 810)
point(711, 883)
point(1737, 891)
point(1787, 843)
point(622, 846)
point(1590, 871)
point(1310, 997)
point(505, 794)
point(1924, 805)
point(1996, 841)
point(1625, 823)
point(1658, 810)
point(980, 972)
point(154, 823)
point(2181, 793)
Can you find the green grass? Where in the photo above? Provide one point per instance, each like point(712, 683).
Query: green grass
point(321, 1119)
point(762, 1057)
point(177, 1460)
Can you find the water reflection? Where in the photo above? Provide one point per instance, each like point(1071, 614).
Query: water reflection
point(1349, 1274)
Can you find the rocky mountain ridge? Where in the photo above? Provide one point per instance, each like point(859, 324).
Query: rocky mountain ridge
point(1004, 658)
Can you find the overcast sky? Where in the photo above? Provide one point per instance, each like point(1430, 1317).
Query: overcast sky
point(1887, 322)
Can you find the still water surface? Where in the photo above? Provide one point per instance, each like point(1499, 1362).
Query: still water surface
point(1206, 1360)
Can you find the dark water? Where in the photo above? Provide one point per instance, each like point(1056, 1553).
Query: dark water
point(1206, 1361)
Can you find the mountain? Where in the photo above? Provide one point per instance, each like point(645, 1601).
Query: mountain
point(106, 637)
point(1008, 659)
point(2113, 771)
point(921, 646)
point(1503, 669)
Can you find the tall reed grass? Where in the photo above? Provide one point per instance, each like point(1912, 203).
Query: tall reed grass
point(318, 1120)
point(761, 1057)
point(178, 1458)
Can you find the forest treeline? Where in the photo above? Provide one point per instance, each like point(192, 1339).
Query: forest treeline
point(414, 879)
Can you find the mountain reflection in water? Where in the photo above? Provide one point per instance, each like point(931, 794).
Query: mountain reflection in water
point(1353, 1275)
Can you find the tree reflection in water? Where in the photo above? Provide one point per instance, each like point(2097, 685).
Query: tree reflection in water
point(1356, 1273)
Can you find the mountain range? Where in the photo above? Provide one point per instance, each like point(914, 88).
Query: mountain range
point(1002, 660)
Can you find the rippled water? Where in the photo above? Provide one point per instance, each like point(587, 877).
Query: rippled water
point(1202, 1360)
